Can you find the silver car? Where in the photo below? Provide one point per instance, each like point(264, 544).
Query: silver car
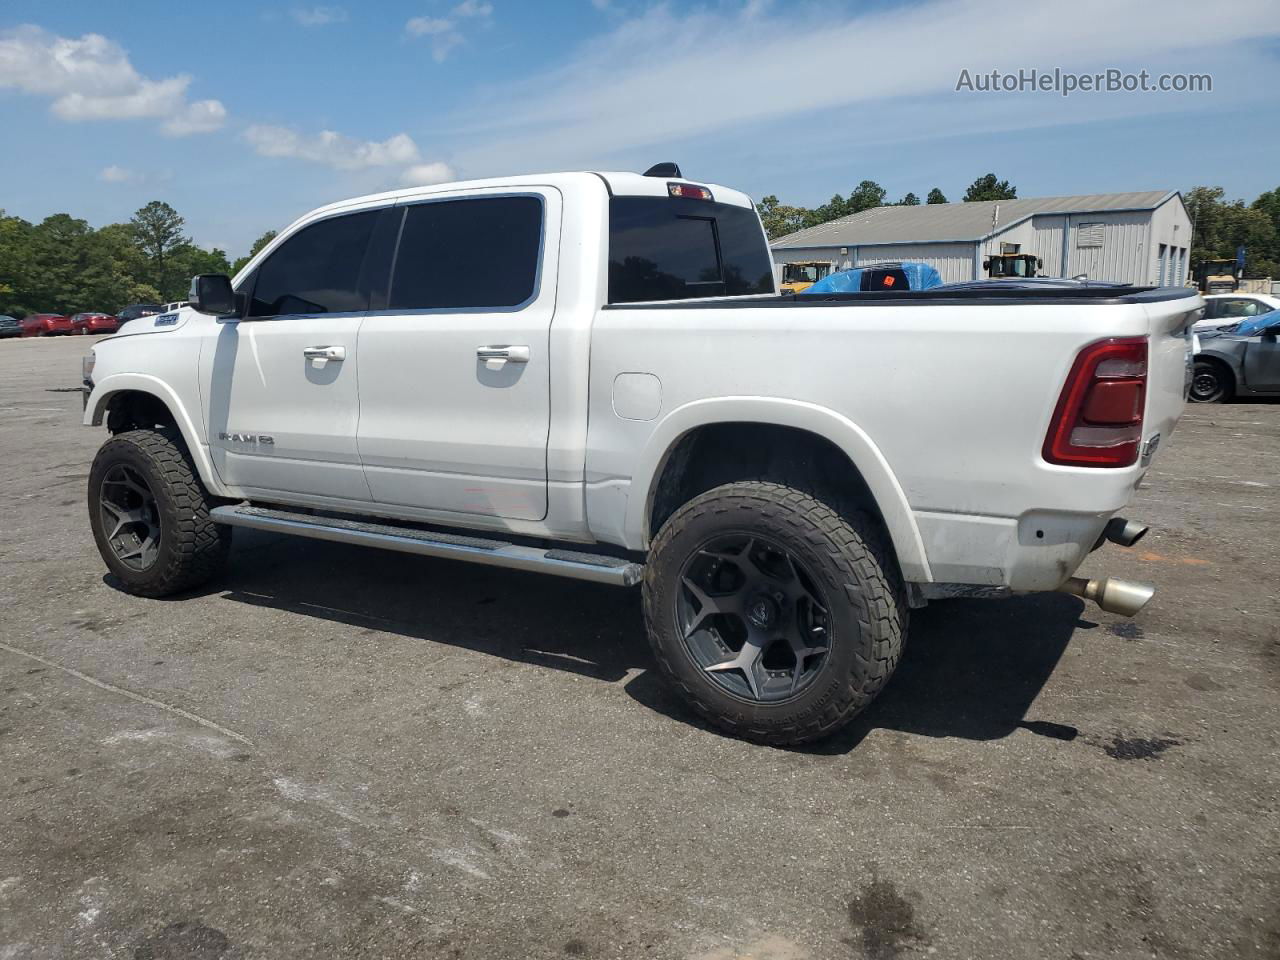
point(1240, 360)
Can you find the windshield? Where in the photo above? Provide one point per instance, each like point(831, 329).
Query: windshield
point(804, 272)
point(679, 248)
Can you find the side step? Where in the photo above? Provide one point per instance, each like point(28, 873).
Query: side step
point(428, 543)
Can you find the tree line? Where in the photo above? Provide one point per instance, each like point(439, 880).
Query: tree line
point(780, 219)
point(1221, 226)
point(63, 265)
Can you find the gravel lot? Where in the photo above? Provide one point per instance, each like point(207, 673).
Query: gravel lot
point(339, 752)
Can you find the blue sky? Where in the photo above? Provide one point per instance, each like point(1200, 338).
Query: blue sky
point(245, 117)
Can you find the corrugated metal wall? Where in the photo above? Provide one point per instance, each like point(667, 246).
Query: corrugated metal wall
point(1119, 257)
point(954, 261)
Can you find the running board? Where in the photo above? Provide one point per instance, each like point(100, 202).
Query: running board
point(428, 543)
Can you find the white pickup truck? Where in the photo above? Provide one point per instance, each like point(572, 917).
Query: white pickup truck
point(592, 375)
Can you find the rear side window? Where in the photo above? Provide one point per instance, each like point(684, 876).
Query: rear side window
point(317, 270)
point(476, 253)
point(676, 248)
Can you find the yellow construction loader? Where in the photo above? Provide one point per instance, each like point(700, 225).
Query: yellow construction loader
point(800, 276)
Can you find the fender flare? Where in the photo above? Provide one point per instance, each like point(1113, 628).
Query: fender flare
point(846, 435)
point(100, 397)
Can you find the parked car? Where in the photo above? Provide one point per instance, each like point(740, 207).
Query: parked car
point(1226, 309)
point(10, 327)
point(136, 310)
point(45, 325)
point(1240, 360)
point(785, 476)
point(88, 323)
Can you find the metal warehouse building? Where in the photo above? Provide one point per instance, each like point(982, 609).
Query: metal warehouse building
point(1140, 238)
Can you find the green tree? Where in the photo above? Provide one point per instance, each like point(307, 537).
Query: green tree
point(270, 235)
point(778, 219)
point(936, 196)
point(1220, 227)
point(910, 200)
point(158, 231)
point(15, 246)
point(987, 187)
point(866, 195)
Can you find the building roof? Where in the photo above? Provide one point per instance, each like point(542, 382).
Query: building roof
point(958, 222)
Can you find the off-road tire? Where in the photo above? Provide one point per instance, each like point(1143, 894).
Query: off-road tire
point(850, 561)
point(192, 548)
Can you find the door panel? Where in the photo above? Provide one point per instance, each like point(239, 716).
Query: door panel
point(455, 374)
point(280, 421)
point(1262, 364)
point(279, 386)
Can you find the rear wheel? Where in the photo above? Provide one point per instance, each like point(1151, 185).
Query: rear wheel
point(150, 515)
point(1210, 382)
point(776, 617)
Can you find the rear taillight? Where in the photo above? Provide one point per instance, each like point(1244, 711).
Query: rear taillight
point(1098, 420)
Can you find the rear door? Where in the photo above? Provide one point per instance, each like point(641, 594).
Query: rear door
point(455, 372)
point(280, 384)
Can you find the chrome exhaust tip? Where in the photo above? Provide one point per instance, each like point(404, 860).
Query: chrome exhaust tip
point(1124, 532)
point(1125, 597)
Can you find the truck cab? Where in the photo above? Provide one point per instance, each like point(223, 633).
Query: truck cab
point(625, 399)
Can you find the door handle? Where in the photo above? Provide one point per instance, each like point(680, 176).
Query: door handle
point(325, 353)
point(513, 354)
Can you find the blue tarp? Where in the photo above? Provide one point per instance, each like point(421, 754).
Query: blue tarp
point(920, 276)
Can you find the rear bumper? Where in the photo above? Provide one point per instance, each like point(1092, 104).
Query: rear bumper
point(1038, 551)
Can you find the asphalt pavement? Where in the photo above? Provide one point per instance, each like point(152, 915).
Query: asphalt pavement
point(339, 752)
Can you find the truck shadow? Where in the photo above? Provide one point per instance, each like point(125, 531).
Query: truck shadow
point(971, 668)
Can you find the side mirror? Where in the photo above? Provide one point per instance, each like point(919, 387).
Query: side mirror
point(212, 293)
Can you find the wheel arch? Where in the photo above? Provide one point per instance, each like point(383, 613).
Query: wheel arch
point(123, 397)
point(811, 428)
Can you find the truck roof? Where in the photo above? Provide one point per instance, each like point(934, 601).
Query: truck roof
point(617, 183)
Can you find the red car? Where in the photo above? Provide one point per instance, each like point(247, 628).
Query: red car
point(94, 323)
point(45, 325)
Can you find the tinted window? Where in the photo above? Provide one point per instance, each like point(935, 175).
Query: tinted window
point(673, 248)
point(317, 270)
point(480, 252)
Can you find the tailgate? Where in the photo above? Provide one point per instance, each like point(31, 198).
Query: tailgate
point(1170, 359)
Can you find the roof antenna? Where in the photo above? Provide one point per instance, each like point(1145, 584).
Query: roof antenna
point(667, 169)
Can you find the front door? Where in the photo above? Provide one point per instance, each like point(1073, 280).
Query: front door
point(280, 384)
point(454, 373)
point(1262, 361)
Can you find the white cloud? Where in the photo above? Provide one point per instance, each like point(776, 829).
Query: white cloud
point(118, 174)
point(318, 16)
point(341, 152)
point(91, 78)
point(427, 26)
point(747, 68)
point(445, 33)
point(421, 174)
point(474, 8)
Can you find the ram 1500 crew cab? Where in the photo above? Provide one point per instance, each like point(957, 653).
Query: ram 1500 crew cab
point(623, 397)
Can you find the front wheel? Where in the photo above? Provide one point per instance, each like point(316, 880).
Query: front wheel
point(149, 514)
point(1210, 383)
point(775, 616)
